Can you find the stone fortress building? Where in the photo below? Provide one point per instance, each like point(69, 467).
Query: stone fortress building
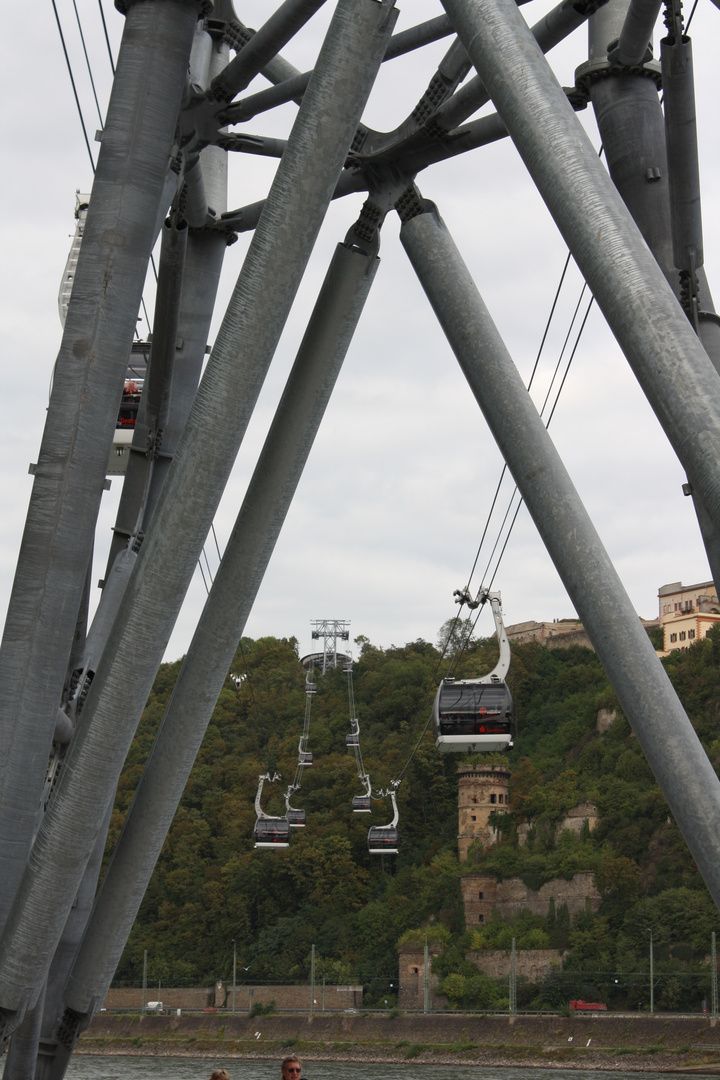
point(483, 790)
point(686, 613)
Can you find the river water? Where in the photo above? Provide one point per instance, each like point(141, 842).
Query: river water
point(111, 1067)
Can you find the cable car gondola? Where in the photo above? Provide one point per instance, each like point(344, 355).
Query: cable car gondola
point(296, 818)
point(383, 839)
point(476, 714)
point(304, 758)
point(270, 831)
point(353, 739)
point(362, 804)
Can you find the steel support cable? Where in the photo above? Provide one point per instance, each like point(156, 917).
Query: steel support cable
point(562, 352)
point(548, 323)
point(572, 357)
point(542, 410)
point(547, 425)
point(303, 742)
point(217, 546)
point(351, 702)
point(247, 678)
point(530, 382)
point(405, 767)
point(87, 61)
point(97, 104)
point(107, 39)
point(458, 655)
point(249, 681)
point(74, 88)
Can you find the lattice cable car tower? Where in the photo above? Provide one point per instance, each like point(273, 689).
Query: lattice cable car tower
point(331, 631)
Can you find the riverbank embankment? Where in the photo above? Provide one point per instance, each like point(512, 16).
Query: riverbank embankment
point(661, 1043)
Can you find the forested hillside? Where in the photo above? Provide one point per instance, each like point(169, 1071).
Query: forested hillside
point(211, 887)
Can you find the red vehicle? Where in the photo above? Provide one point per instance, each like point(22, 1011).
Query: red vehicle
point(587, 1006)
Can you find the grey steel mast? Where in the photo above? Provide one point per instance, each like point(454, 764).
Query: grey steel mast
point(622, 81)
point(644, 690)
point(220, 628)
point(276, 259)
point(173, 105)
point(70, 471)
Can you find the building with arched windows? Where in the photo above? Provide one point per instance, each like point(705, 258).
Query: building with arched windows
point(482, 790)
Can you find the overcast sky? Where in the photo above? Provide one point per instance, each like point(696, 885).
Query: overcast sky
point(393, 502)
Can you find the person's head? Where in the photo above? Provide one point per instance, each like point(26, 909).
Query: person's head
point(220, 1074)
point(291, 1067)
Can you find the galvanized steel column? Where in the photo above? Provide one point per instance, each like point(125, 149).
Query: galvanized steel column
point(668, 360)
point(72, 463)
point(632, 128)
point(667, 738)
point(278, 253)
point(221, 625)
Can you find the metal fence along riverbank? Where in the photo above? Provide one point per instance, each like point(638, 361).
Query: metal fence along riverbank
point(661, 1043)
